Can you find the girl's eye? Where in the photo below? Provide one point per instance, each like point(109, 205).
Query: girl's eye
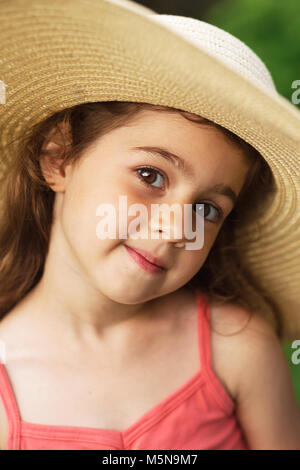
point(148, 175)
point(207, 210)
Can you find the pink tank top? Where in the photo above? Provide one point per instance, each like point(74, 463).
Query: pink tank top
point(199, 415)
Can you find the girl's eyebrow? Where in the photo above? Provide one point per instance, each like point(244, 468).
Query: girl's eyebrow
point(174, 159)
point(220, 188)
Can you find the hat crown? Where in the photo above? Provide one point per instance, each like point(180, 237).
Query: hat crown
point(224, 46)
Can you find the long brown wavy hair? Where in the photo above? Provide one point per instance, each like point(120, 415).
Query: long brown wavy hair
point(27, 207)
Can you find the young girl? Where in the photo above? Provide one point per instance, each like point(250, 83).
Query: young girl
point(139, 343)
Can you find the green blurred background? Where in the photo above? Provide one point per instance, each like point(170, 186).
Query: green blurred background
point(272, 29)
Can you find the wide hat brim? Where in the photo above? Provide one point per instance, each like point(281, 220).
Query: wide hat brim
point(58, 54)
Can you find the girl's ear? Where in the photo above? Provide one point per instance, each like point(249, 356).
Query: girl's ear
point(53, 149)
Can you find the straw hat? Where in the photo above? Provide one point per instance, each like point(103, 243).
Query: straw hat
point(61, 53)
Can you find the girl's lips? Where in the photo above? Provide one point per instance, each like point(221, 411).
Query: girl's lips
point(143, 262)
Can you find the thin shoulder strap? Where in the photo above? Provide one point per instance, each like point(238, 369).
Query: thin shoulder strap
point(203, 330)
point(217, 388)
point(11, 409)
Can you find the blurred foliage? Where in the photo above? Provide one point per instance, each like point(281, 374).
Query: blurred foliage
point(190, 8)
point(271, 28)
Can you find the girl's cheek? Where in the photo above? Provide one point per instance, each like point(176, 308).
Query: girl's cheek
point(195, 258)
point(126, 186)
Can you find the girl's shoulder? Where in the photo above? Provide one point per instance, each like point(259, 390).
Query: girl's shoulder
point(229, 319)
point(236, 333)
point(12, 333)
point(3, 418)
point(233, 331)
point(240, 323)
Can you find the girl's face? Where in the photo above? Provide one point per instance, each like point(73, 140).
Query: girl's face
point(113, 168)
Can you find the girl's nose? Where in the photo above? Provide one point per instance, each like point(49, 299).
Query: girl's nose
point(170, 228)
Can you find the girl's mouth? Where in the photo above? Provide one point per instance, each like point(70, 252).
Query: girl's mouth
point(143, 262)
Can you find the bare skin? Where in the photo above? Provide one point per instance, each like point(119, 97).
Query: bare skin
point(95, 386)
